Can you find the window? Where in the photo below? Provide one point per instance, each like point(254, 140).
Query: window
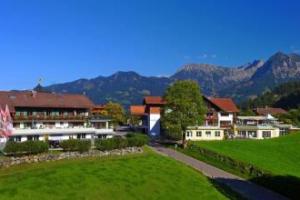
point(33, 138)
point(224, 114)
point(198, 133)
point(189, 134)
point(252, 133)
point(16, 139)
point(217, 133)
point(266, 134)
point(208, 133)
point(81, 136)
point(102, 136)
point(242, 133)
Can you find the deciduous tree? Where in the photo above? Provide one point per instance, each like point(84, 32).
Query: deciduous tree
point(184, 107)
point(116, 112)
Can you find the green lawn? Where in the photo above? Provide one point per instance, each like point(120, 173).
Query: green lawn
point(281, 156)
point(145, 176)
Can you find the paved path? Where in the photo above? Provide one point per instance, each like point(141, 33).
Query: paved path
point(245, 188)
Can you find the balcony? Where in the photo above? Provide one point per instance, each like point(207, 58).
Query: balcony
point(49, 118)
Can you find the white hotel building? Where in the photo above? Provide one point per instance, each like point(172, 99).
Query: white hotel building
point(53, 117)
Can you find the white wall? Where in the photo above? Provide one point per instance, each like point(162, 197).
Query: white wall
point(275, 132)
point(154, 124)
point(229, 117)
point(192, 134)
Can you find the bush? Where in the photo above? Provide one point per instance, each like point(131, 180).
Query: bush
point(137, 139)
point(27, 147)
point(110, 144)
point(75, 145)
point(131, 140)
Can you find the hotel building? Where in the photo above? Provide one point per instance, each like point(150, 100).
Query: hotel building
point(53, 117)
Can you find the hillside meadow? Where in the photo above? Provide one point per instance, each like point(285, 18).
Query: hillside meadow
point(279, 155)
point(273, 163)
point(145, 176)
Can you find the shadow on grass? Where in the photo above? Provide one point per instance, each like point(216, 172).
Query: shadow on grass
point(288, 186)
point(247, 190)
point(226, 190)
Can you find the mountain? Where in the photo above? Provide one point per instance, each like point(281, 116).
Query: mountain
point(123, 87)
point(215, 79)
point(286, 95)
point(279, 68)
point(240, 83)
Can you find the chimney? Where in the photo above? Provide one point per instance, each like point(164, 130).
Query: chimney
point(34, 93)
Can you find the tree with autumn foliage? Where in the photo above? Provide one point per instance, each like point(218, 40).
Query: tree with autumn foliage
point(116, 112)
point(184, 107)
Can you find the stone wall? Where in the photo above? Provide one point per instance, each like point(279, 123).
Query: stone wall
point(47, 157)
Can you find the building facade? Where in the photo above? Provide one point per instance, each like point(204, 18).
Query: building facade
point(149, 114)
point(256, 127)
point(53, 117)
point(196, 133)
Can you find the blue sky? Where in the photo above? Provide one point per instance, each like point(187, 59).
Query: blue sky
point(60, 40)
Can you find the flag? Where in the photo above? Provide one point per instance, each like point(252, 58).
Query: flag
point(6, 125)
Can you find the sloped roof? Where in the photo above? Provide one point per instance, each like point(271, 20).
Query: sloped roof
point(43, 100)
point(155, 110)
point(225, 104)
point(270, 110)
point(154, 100)
point(137, 110)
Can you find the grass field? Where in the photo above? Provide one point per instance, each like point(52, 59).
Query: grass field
point(146, 176)
point(280, 155)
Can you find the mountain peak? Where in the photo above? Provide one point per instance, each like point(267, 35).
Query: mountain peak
point(252, 65)
point(196, 67)
point(278, 56)
point(124, 74)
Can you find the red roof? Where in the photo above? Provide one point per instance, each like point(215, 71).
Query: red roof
point(272, 111)
point(225, 104)
point(137, 110)
point(155, 110)
point(43, 100)
point(157, 100)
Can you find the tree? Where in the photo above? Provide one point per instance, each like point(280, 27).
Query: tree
point(184, 107)
point(116, 112)
point(247, 112)
point(134, 120)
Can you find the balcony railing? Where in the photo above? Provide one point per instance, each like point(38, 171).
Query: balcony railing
point(48, 117)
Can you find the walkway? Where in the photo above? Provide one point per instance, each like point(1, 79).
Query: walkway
point(245, 188)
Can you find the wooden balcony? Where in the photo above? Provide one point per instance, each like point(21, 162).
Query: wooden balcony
point(49, 118)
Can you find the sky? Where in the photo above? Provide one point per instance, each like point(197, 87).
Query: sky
point(63, 40)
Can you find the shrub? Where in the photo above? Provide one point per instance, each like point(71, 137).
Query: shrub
point(131, 140)
point(75, 145)
point(111, 143)
point(27, 147)
point(137, 139)
point(120, 142)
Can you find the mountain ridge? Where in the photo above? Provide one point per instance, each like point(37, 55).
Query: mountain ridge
point(239, 83)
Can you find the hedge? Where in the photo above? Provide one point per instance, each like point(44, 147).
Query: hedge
point(75, 145)
point(243, 168)
point(27, 147)
point(137, 139)
point(131, 140)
